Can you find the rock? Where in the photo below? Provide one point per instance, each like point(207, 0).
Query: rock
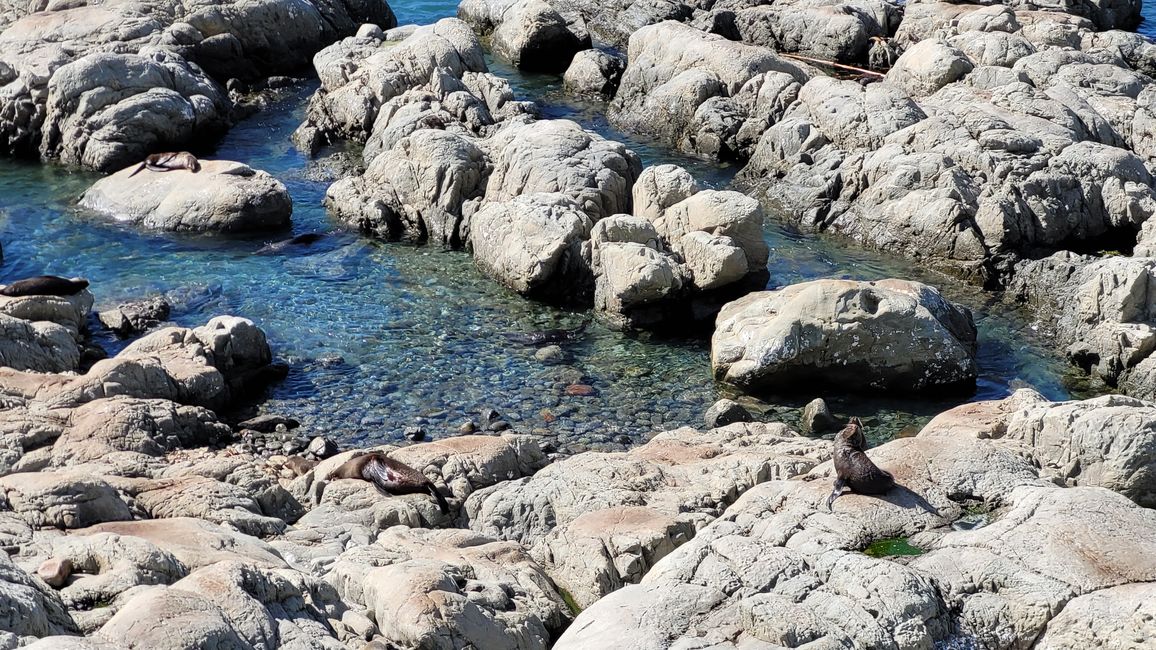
point(70, 312)
point(27, 607)
point(1100, 310)
point(1117, 612)
point(776, 568)
point(62, 500)
point(108, 565)
point(580, 390)
point(888, 335)
point(833, 32)
point(134, 318)
point(550, 354)
point(54, 571)
point(561, 156)
point(105, 111)
point(465, 588)
point(532, 245)
point(1101, 442)
point(928, 66)
point(351, 109)
point(724, 412)
point(817, 417)
point(370, 31)
point(598, 520)
point(417, 190)
point(531, 34)
point(594, 73)
point(633, 283)
point(39, 346)
point(223, 196)
point(195, 542)
point(675, 71)
point(322, 447)
point(268, 423)
point(171, 618)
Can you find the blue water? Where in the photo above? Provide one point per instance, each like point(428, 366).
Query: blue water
point(384, 336)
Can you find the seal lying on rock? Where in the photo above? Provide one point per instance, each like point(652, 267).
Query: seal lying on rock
point(45, 285)
point(389, 476)
point(169, 161)
point(853, 468)
point(547, 336)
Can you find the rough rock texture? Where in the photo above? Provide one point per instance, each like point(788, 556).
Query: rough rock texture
point(1105, 442)
point(1102, 310)
point(531, 34)
point(416, 190)
point(928, 66)
point(561, 156)
point(348, 104)
point(28, 607)
point(594, 73)
point(696, 90)
point(532, 245)
point(100, 85)
point(778, 569)
point(42, 346)
point(223, 196)
point(831, 31)
point(888, 335)
point(450, 589)
point(597, 521)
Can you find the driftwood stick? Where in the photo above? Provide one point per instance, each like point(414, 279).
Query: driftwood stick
point(834, 65)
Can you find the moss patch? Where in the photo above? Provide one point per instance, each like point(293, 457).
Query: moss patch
point(570, 602)
point(891, 547)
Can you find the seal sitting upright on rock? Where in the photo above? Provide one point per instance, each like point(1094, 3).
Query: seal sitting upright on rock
point(169, 161)
point(853, 468)
point(45, 285)
point(389, 476)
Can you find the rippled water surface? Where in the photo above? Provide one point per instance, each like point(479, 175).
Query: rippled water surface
point(384, 336)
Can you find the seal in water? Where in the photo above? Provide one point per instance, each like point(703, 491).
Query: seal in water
point(547, 336)
point(300, 240)
point(169, 161)
point(853, 468)
point(389, 476)
point(45, 285)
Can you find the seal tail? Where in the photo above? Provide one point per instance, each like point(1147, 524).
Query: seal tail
point(433, 490)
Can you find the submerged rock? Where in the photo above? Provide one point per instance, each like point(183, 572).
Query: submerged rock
point(888, 335)
point(223, 196)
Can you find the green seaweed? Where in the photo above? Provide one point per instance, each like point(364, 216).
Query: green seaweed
point(570, 602)
point(890, 547)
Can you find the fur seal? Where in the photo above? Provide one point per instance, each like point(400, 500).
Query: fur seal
point(547, 336)
point(853, 468)
point(305, 239)
point(45, 285)
point(169, 161)
point(300, 465)
point(389, 476)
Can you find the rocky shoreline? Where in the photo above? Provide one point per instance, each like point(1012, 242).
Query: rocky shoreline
point(1003, 143)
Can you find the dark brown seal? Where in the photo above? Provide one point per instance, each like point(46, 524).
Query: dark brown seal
point(169, 161)
point(45, 285)
point(853, 468)
point(389, 476)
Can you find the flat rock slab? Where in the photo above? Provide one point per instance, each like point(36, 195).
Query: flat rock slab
point(224, 196)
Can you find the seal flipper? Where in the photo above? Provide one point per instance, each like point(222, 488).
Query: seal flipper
point(445, 507)
point(138, 169)
point(378, 473)
point(835, 493)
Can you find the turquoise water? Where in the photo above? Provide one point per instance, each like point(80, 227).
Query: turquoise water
point(384, 336)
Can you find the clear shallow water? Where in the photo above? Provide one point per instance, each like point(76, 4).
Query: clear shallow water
point(384, 336)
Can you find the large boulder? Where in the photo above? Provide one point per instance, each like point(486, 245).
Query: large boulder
point(928, 66)
point(888, 335)
point(100, 85)
point(222, 196)
point(418, 190)
point(561, 156)
point(40, 346)
point(105, 111)
point(683, 86)
point(827, 30)
point(531, 34)
point(593, 73)
point(532, 244)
